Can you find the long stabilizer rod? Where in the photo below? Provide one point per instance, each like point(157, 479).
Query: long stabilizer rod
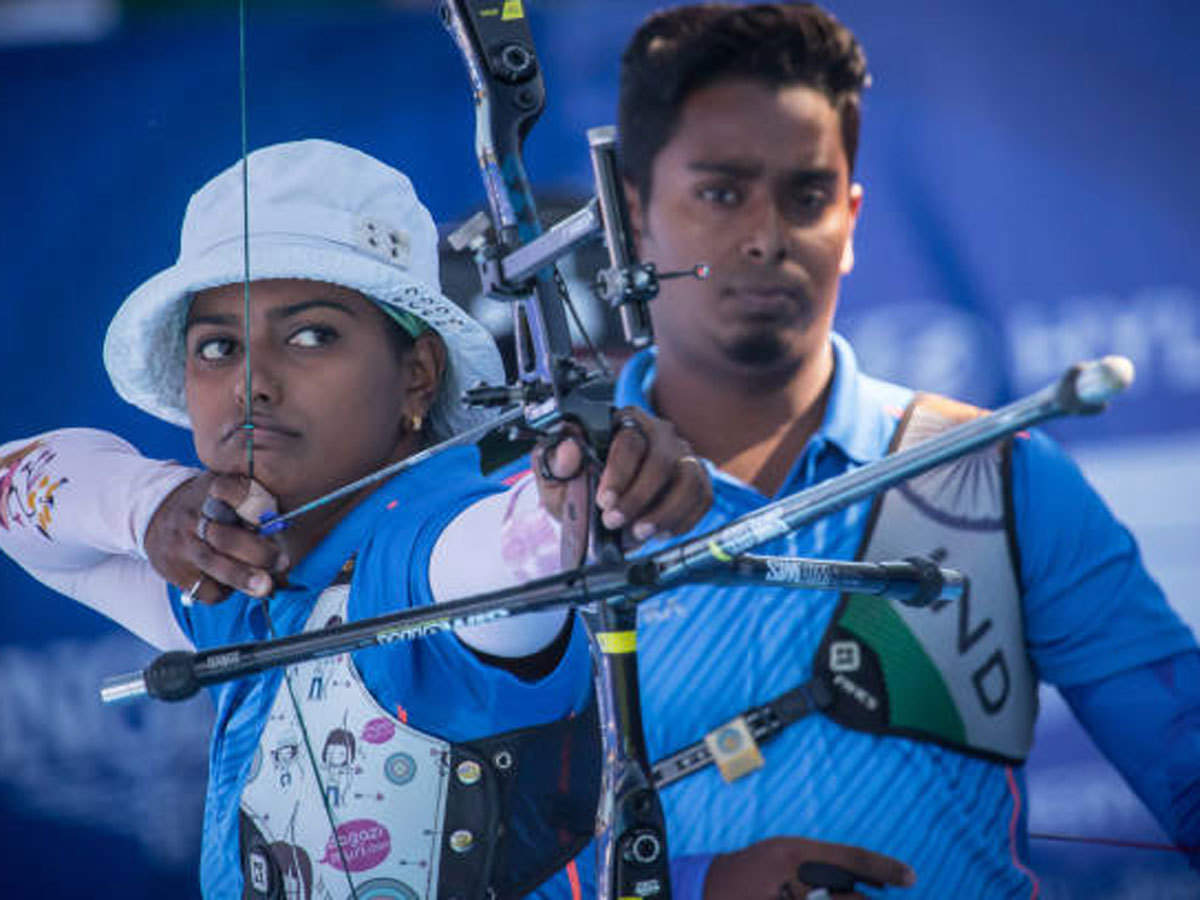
point(1084, 389)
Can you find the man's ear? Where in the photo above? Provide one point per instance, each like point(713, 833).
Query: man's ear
point(855, 200)
point(637, 218)
point(426, 364)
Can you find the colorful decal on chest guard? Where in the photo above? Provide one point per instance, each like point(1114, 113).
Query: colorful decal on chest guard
point(365, 843)
point(400, 768)
point(385, 889)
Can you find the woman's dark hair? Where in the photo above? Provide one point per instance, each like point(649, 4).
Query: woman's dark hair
point(339, 737)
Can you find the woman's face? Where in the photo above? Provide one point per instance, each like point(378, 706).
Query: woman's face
point(332, 398)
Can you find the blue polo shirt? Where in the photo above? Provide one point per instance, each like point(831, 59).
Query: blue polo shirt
point(443, 688)
point(706, 653)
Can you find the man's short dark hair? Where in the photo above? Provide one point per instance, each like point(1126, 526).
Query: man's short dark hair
point(679, 51)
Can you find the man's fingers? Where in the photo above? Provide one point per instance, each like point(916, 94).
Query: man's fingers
point(873, 868)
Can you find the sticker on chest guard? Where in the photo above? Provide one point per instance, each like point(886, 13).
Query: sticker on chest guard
point(734, 749)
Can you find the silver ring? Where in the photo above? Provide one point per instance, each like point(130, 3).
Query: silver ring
point(189, 598)
point(628, 421)
point(202, 527)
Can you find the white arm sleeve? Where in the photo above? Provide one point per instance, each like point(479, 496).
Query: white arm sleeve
point(74, 507)
point(503, 540)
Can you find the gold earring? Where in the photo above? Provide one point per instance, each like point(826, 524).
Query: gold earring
point(417, 422)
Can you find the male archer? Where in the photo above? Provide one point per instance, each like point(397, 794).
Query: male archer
point(739, 127)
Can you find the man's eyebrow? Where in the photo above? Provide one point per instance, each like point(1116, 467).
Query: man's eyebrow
point(736, 168)
point(815, 174)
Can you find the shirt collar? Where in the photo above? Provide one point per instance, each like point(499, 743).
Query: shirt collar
point(848, 423)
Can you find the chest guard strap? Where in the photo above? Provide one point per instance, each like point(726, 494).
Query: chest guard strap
point(956, 674)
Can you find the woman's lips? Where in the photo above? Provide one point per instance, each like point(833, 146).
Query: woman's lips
point(263, 434)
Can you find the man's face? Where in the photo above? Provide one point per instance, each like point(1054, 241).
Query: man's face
point(755, 183)
point(329, 389)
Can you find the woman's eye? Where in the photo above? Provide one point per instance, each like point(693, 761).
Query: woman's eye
point(214, 349)
point(312, 336)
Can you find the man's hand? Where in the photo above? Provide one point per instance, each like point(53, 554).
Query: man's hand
point(189, 549)
point(767, 870)
point(651, 483)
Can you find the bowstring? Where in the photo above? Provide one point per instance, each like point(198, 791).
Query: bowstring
point(248, 403)
point(248, 432)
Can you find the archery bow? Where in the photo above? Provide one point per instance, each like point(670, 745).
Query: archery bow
point(509, 94)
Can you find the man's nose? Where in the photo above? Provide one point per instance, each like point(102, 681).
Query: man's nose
point(765, 240)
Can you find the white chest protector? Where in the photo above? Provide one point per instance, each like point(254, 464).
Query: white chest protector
point(417, 817)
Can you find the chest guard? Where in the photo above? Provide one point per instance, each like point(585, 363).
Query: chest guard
point(957, 674)
point(417, 817)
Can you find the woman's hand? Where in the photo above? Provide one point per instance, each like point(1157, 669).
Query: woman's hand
point(208, 559)
point(651, 483)
point(769, 870)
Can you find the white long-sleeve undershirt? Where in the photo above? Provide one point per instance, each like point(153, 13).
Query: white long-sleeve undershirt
point(75, 505)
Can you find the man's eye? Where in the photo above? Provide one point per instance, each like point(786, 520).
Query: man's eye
point(313, 336)
point(214, 349)
point(808, 201)
point(721, 195)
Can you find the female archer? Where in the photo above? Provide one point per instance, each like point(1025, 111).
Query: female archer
point(336, 355)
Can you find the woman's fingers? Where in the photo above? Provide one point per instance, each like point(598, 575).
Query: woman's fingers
point(248, 499)
point(239, 559)
point(208, 554)
point(651, 481)
point(680, 506)
point(650, 484)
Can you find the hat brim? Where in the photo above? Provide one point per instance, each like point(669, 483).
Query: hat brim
point(144, 349)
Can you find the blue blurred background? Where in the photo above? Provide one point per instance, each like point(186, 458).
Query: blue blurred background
point(1031, 200)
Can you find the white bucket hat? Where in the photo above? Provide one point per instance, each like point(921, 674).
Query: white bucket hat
point(321, 211)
